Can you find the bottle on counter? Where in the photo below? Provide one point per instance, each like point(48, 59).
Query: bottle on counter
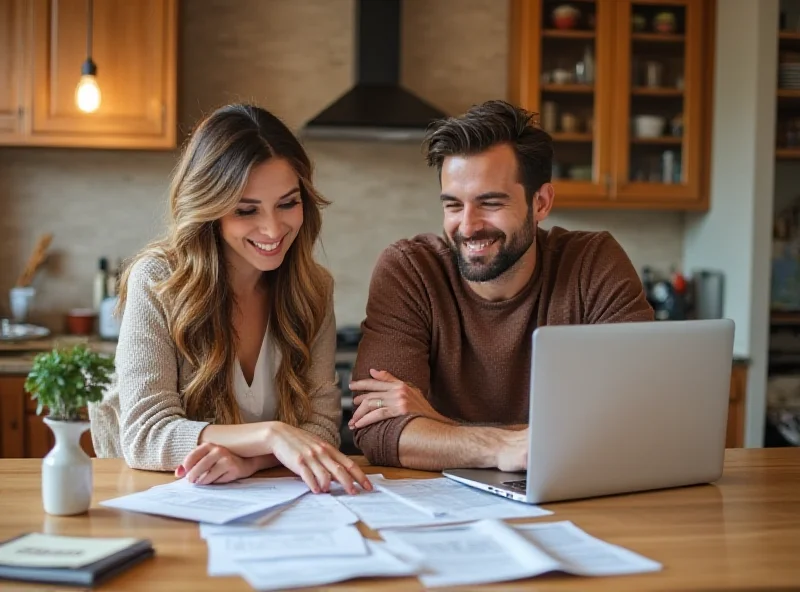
point(112, 284)
point(100, 287)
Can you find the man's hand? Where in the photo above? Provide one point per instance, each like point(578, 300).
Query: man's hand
point(512, 453)
point(384, 396)
point(209, 463)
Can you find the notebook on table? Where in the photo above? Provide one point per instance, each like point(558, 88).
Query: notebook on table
point(78, 561)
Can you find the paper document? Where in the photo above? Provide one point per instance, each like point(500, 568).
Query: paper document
point(398, 503)
point(314, 512)
point(225, 551)
point(582, 554)
point(301, 572)
point(491, 551)
point(216, 504)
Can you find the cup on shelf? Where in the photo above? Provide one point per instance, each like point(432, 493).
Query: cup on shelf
point(549, 116)
point(648, 126)
point(653, 74)
point(569, 123)
point(562, 76)
point(21, 300)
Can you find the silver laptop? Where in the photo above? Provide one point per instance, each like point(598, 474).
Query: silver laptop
point(618, 408)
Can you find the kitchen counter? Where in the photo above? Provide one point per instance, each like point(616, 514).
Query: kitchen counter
point(16, 357)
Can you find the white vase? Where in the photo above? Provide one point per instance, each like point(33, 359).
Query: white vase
point(67, 471)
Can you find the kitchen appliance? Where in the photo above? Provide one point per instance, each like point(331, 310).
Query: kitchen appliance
point(108, 323)
point(377, 107)
point(708, 293)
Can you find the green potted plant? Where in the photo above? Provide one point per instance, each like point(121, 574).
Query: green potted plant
point(65, 381)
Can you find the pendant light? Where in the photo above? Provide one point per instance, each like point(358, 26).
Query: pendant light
point(87, 93)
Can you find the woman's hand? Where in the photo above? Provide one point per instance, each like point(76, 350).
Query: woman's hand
point(210, 463)
point(385, 396)
point(315, 461)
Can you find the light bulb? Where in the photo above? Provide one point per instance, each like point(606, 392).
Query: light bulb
point(87, 94)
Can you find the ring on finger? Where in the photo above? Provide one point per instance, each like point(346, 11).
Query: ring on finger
point(378, 403)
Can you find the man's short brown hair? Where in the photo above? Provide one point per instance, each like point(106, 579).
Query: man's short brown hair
point(489, 124)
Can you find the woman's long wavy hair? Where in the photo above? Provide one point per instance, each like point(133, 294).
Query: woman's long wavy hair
point(206, 185)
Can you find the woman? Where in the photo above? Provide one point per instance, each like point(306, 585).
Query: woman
point(225, 361)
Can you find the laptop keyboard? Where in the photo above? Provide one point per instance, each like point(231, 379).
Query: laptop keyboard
point(521, 485)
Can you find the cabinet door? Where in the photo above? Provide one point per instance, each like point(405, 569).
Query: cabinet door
point(12, 417)
point(661, 91)
point(134, 49)
point(13, 54)
point(736, 407)
point(560, 67)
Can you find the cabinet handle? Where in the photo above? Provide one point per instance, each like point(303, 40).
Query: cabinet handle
point(14, 424)
point(20, 111)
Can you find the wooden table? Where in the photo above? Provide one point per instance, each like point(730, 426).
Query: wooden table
point(741, 533)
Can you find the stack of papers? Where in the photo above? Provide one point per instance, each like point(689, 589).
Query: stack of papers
point(491, 551)
point(277, 535)
point(226, 552)
point(316, 513)
point(309, 541)
point(216, 504)
point(302, 572)
point(397, 503)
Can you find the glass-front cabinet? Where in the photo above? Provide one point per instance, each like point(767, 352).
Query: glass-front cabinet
point(623, 87)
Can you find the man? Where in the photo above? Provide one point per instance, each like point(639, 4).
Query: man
point(443, 367)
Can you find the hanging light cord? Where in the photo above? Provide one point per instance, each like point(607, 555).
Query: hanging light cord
point(89, 34)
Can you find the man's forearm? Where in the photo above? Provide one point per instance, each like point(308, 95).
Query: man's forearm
point(429, 445)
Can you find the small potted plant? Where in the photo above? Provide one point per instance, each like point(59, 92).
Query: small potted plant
point(64, 381)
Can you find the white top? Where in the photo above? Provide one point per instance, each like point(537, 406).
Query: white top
point(258, 401)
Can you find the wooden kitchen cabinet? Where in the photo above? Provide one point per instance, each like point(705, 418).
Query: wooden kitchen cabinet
point(23, 434)
point(591, 82)
point(736, 407)
point(13, 60)
point(134, 45)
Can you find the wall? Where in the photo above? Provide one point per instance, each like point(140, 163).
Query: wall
point(735, 236)
point(293, 58)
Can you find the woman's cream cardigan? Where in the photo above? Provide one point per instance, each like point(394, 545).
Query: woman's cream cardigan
point(142, 417)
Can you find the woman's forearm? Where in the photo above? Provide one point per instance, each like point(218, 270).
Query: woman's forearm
point(247, 440)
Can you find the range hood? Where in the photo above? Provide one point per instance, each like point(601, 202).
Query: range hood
point(377, 107)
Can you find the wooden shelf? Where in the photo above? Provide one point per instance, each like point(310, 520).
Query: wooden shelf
point(571, 137)
point(567, 34)
point(787, 93)
point(789, 36)
point(661, 141)
point(784, 317)
point(787, 153)
point(568, 88)
point(658, 37)
point(657, 92)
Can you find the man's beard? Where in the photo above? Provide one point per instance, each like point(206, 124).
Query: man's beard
point(480, 269)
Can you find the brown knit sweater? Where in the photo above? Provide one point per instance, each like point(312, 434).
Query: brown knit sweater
point(471, 357)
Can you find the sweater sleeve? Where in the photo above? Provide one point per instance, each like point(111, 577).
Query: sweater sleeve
point(326, 397)
point(396, 336)
point(154, 431)
point(611, 290)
